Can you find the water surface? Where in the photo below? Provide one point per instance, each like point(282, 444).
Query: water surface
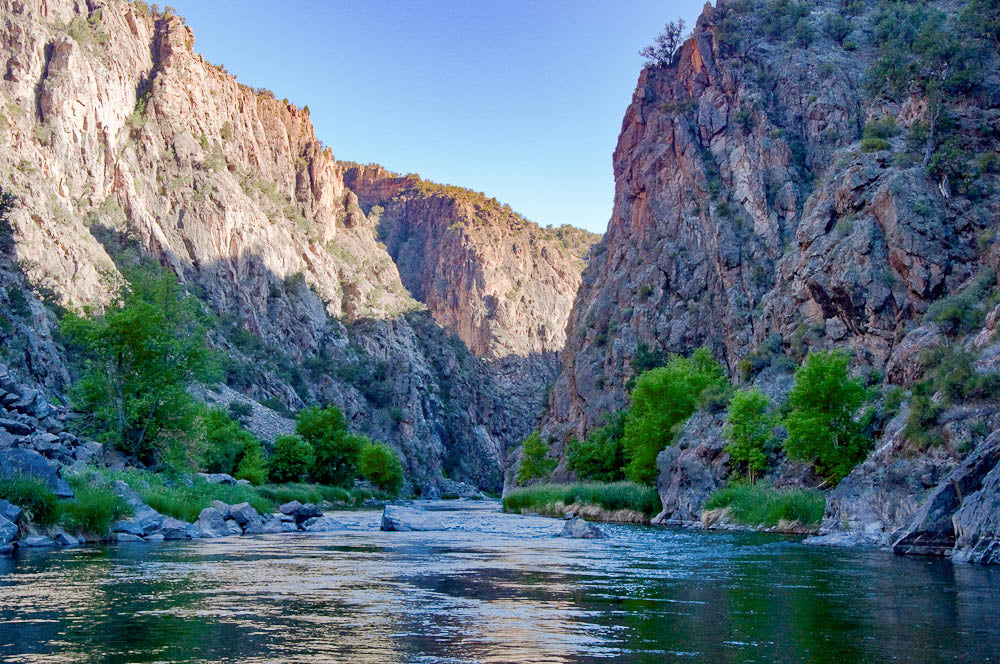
point(493, 588)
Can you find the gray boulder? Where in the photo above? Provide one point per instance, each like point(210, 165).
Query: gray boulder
point(399, 519)
point(36, 542)
point(217, 478)
point(272, 526)
point(155, 537)
point(10, 511)
point(128, 528)
point(322, 524)
point(233, 528)
point(174, 529)
point(122, 538)
point(577, 528)
point(65, 539)
point(212, 523)
point(301, 513)
point(18, 461)
point(14, 427)
point(692, 469)
point(244, 514)
point(8, 531)
point(222, 508)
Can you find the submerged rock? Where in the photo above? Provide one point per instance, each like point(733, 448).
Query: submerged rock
point(399, 519)
point(322, 524)
point(36, 542)
point(577, 528)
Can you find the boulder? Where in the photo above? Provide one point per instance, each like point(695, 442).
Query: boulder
point(212, 523)
point(174, 529)
point(10, 511)
point(321, 524)
point(28, 462)
point(128, 528)
point(233, 528)
point(217, 478)
point(977, 524)
point(222, 508)
point(577, 528)
point(244, 514)
point(155, 537)
point(291, 508)
point(399, 519)
point(8, 531)
point(122, 538)
point(692, 469)
point(301, 513)
point(272, 526)
point(15, 427)
point(65, 539)
point(35, 542)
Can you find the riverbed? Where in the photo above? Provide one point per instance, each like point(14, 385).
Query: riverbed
point(493, 588)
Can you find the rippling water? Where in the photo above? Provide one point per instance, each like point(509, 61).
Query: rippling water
point(493, 588)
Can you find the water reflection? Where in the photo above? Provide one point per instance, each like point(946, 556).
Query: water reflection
point(493, 588)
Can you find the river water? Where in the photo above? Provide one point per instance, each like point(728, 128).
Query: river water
point(493, 588)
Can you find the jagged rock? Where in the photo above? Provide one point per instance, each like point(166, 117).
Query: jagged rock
point(398, 519)
point(322, 524)
point(577, 528)
point(233, 528)
point(174, 529)
point(65, 539)
point(222, 508)
point(977, 524)
point(290, 508)
point(29, 462)
point(904, 367)
point(244, 514)
point(15, 427)
point(691, 469)
point(272, 526)
point(8, 531)
point(128, 528)
point(299, 512)
point(212, 523)
point(10, 511)
point(36, 542)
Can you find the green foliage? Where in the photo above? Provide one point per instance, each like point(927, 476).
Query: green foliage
point(962, 312)
point(768, 353)
point(184, 502)
point(662, 400)
point(749, 431)
point(877, 133)
point(600, 457)
point(535, 461)
point(612, 497)
point(780, 19)
point(7, 202)
point(837, 27)
point(317, 493)
point(93, 509)
point(226, 442)
point(252, 466)
point(240, 410)
point(661, 52)
point(40, 505)
point(336, 452)
point(381, 466)
point(759, 505)
point(822, 423)
point(291, 460)
point(138, 358)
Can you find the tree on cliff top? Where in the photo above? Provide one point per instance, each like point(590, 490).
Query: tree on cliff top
point(661, 52)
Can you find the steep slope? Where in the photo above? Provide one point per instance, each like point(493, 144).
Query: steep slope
point(118, 139)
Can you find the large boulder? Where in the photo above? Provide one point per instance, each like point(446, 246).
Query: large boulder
point(399, 519)
point(212, 523)
point(8, 531)
point(174, 529)
point(301, 513)
point(244, 513)
point(322, 524)
point(217, 478)
point(28, 462)
point(577, 528)
point(65, 539)
point(10, 511)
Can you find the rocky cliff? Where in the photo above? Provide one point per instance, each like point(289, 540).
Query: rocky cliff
point(118, 139)
point(771, 185)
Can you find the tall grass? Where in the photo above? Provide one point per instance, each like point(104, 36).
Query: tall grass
point(317, 493)
point(614, 496)
point(40, 505)
point(177, 499)
point(93, 510)
point(762, 505)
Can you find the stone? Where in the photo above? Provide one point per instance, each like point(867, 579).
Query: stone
point(155, 537)
point(299, 512)
point(217, 478)
point(36, 542)
point(28, 462)
point(577, 528)
point(65, 539)
point(904, 367)
point(123, 538)
point(8, 531)
point(321, 524)
point(222, 508)
point(128, 528)
point(212, 523)
point(399, 519)
point(290, 508)
point(272, 526)
point(174, 529)
point(244, 514)
point(692, 469)
point(232, 528)
point(10, 511)
point(15, 427)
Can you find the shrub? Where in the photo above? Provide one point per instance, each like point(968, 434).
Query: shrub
point(612, 497)
point(662, 400)
point(335, 452)
point(93, 509)
point(877, 133)
point(291, 459)
point(381, 466)
point(962, 312)
point(39, 503)
point(822, 425)
point(750, 432)
point(837, 27)
point(252, 466)
point(600, 456)
point(759, 505)
point(240, 410)
point(535, 462)
point(226, 442)
point(661, 51)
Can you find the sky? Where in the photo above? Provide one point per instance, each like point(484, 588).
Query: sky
point(520, 99)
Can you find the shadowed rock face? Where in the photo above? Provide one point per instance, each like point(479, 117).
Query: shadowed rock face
point(118, 137)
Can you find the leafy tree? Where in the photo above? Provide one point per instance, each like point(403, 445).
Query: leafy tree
point(252, 466)
point(750, 431)
point(139, 356)
point(837, 27)
point(381, 466)
point(535, 461)
point(823, 426)
point(336, 452)
point(662, 400)
point(225, 442)
point(601, 456)
point(661, 52)
point(291, 459)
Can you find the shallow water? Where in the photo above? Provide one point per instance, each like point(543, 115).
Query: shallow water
point(493, 588)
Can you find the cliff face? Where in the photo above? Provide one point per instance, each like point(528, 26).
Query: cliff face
point(117, 138)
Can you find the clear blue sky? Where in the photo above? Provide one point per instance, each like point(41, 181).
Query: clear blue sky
point(520, 99)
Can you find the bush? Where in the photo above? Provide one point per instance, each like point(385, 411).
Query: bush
point(612, 497)
point(759, 505)
point(535, 462)
point(962, 312)
point(335, 452)
point(662, 400)
point(822, 425)
point(93, 509)
point(240, 410)
point(381, 466)
point(252, 466)
point(39, 503)
point(226, 442)
point(601, 456)
point(750, 432)
point(837, 27)
point(291, 460)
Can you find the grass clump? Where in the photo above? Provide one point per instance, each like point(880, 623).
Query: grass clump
point(177, 499)
point(760, 505)
point(40, 505)
point(94, 508)
point(280, 494)
point(612, 497)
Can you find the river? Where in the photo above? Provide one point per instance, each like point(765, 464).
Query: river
point(495, 588)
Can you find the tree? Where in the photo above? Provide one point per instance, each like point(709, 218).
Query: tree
point(822, 425)
point(291, 459)
point(535, 462)
point(750, 431)
point(381, 466)
point(662, 400)
point(661, 51)
point(139, 356)
point(601, 456)
point(336, 452)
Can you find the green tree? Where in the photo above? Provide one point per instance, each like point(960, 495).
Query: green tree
point(381, 466)
point(662, 400)
point(139, 356)
point(601, 456)
point(823, 426)
point(535, 462)
point(336, 452)
point(749, 431)
point(226, 442)
point(291, 459)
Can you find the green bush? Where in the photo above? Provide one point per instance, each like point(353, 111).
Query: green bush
point(291, 460)
point(93, 509)
point(225, 442)
point(837, 27)
point(749, 431)
point(759, 505)
point(600, 457)
point(962, 312)
point(240, 410)
point(535, 462)
point(662, 400)
point(40, 505)
point(335, 452)
point(823, 426)
point(252, 466)
point(612, 497)
point(381, 466)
